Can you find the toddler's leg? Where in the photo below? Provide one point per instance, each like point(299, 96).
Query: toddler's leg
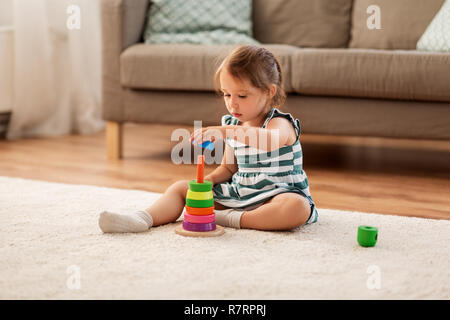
point(138, 221)
point(227, 217)
point(166, 209)
point(284, 211)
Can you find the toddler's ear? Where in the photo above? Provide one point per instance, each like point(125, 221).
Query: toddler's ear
point(272, 90)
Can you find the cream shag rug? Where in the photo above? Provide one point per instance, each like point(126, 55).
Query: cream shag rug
point(52, 248)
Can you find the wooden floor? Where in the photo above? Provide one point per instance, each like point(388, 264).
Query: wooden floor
point(390, 176)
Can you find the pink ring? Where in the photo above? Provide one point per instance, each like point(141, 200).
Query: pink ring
point(199, 219)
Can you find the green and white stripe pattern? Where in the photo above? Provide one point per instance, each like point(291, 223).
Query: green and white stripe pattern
point(262, 175)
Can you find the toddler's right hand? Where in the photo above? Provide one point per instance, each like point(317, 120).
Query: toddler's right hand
point(209, 178)
point(206, 144)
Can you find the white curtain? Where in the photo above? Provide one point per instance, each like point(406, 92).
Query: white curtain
point(5, 12)
point(57, 70)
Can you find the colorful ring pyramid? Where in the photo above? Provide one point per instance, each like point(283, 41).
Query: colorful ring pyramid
point(199, 215)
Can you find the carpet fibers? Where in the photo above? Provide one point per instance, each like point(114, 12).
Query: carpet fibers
point(52, 248)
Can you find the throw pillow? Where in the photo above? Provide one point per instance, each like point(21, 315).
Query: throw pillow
point(437, 36)
point(199, 22)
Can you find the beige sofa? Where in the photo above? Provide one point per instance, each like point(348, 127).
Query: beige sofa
point(342, 78)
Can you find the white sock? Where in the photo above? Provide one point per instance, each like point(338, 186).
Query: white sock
point(229, 218)
point(138, 221)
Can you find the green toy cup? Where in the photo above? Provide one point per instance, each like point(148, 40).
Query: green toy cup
point(367, 236)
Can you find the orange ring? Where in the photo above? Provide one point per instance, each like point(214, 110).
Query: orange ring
point(200, 211)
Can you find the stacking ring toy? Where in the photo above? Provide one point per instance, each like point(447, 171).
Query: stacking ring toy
point(199, 211)
point(367, 236)
point(199, 219)
point(199, 226)
point(205, 195)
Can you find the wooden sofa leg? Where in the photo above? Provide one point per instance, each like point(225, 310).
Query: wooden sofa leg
point(114, 139)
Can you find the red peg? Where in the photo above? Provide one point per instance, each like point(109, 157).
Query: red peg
point(200, 168)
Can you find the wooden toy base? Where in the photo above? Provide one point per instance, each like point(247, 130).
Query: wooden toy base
point(218, 232)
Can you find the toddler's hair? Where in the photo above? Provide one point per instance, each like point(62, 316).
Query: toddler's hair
point(259, 66)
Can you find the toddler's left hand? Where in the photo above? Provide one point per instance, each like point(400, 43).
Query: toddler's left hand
point(206, 134)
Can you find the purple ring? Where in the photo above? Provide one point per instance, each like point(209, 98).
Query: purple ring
point(200, 227)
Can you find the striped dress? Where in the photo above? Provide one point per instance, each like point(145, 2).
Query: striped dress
point(261, 174)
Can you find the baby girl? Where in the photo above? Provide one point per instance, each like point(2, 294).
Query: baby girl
point(260, 183)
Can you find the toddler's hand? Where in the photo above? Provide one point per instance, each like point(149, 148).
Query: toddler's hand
point(206, 134)
point(209, 178)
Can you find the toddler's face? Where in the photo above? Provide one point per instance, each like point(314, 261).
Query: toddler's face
point(243, 100)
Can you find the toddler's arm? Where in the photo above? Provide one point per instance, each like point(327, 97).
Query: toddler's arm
point(274, 136)
point(227, 168)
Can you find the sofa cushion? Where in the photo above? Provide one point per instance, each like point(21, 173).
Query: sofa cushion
point(303, 23)
point(398, 74)
point(402, 23)
point(184, 66)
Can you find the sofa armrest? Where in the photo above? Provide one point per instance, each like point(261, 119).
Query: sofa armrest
point(122, 22)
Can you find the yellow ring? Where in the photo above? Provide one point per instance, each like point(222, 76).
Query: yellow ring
point(194, 195)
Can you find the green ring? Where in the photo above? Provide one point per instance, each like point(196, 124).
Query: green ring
point(200, 203)
point(200, 187)
point(367, 236)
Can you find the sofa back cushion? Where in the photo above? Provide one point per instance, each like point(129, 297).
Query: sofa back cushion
point(370, 73)
point(185, 66)
point(199, 22)
point(303, 23)
point(402, 23)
